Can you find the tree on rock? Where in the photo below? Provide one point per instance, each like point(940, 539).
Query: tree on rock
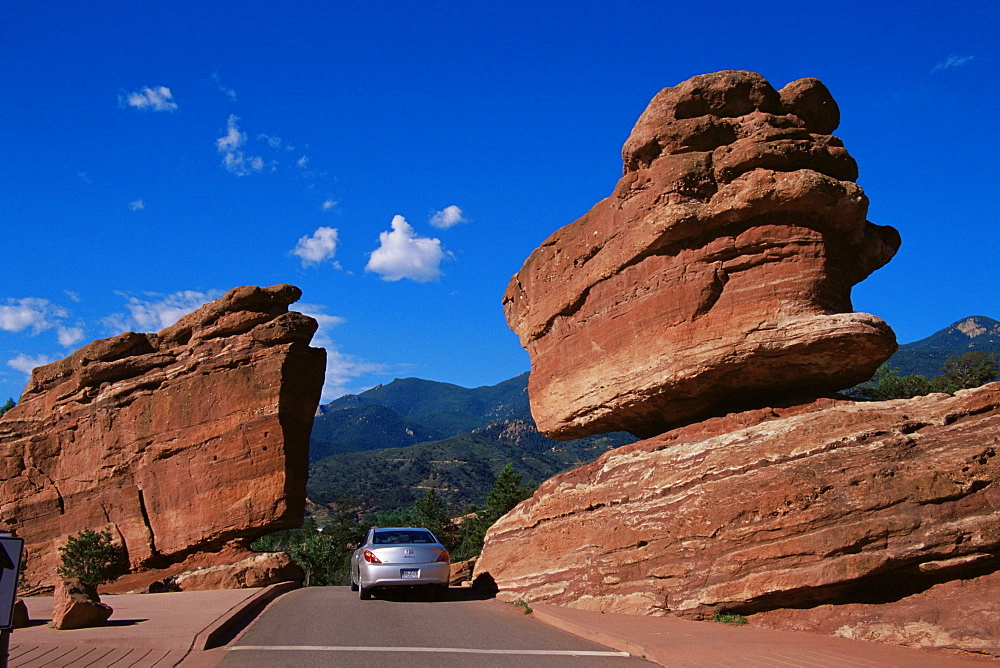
point(92, 558)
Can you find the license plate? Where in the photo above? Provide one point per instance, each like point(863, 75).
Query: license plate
point(409, 573)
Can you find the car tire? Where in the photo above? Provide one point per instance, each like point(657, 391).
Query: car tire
point(354, 585)
point(364, 593)
point(439, 592)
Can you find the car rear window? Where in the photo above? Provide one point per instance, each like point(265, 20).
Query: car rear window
point(400, 537)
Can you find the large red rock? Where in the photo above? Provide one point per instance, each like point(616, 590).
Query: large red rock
point(177, 442)
point(831, 502)
point(257, 570)
point(716, 277)
point(77, 606)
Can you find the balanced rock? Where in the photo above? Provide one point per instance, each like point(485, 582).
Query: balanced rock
point(716, 277)
point(77, 606)
point(830, 502)
point(177, 442)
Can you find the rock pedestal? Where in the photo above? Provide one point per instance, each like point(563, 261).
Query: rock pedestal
point(828, 502)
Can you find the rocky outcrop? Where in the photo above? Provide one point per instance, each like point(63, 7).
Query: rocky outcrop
point(258, 570)
point(178, 442)
point(961, 614)
point(830, 502)
point(77, 606)
point(717, 275)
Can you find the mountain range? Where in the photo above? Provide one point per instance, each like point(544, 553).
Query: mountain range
point(976, 333)
point(382, 449)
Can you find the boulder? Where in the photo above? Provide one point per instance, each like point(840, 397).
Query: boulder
point(20, 618)
point(177, 442)
point(461, 573)
point(716, 277)
point(832, 502)
point(77, 606)
point(259, 570)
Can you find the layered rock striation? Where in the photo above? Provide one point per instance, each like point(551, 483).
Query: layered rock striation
point(829, 502)
point(178, 442)
point(717, 275)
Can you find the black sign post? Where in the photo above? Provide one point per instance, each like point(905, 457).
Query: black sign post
point(11, 551)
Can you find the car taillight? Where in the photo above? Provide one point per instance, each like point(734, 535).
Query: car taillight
point(371, 558)
point(444, 556)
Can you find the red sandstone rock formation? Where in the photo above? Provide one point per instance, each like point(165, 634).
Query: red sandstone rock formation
point(716, 277)
point(258, 570)
point(77, 606)
point(835, 501)
point(961, 614)
point(178, 442)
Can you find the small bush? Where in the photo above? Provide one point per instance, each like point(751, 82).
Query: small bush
point(92, 557)
point(729, 618)
point(527, 608)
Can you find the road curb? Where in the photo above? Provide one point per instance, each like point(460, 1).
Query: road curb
point(595, 635)
point(225, 627)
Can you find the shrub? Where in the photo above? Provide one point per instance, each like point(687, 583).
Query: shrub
point(729, 618)
point(92, 557)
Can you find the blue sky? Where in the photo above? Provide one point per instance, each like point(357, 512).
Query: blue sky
point(399, 161)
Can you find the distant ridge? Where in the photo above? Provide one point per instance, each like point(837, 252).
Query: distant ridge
point(385, 447)
point(975, 333)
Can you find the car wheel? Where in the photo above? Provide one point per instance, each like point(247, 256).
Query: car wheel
point(364, 593)
point(354, 585)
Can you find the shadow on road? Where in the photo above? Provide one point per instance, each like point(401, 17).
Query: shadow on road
point(482, 589)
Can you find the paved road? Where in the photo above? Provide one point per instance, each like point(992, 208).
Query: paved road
point(330, 626)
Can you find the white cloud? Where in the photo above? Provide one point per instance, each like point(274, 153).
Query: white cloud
point(322, 245)
point(951, 61)
point(273, 142)
point(328, 204)
point(152, 315)
point(26, 363)
point(402, 254)
point(228, 92)
point(447, 217)
point(155, 99)
point(326, 321)
point(341, 369)
point(69, 336)
point(17, 315)
point(137, 205)
point(230, 146)
point(303, 161)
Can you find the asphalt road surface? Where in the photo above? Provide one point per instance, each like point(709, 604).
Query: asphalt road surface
point(330, 626)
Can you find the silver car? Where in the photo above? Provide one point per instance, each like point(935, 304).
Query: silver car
point(399, 557)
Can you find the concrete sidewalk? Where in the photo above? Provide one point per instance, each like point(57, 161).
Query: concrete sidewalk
point(145, 630)
point(677, 642)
